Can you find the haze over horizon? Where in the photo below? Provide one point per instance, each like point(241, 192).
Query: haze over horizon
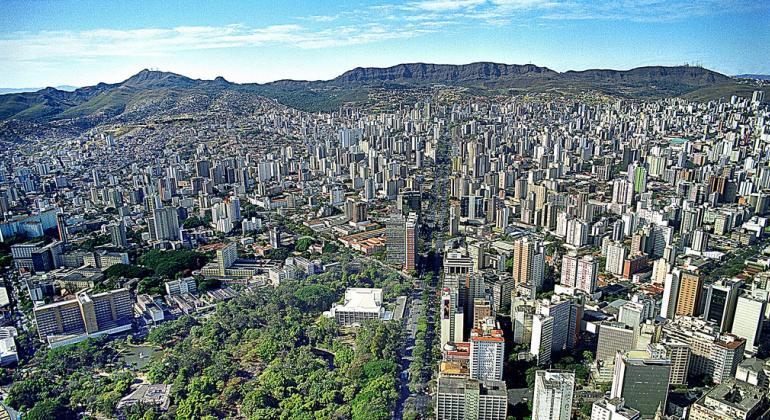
point(83, 43)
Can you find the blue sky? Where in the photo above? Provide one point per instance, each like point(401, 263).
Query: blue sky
point(47, 43)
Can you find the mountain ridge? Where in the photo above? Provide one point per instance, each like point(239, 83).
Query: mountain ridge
point(167, 89)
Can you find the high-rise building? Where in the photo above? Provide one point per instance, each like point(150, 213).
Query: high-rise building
point(523, 255)
point(452, 316)
point(690, 285)
point(580, 273)
point(89, 315)
point(670, 295)
point(401, 243)
point(396, 242)
point(713, 354)
point(410, 242)
point(541, 342)
point(61, 227)
point(528, 263)
point(487, 354)
point(226, 256)
point(481, 310)
point(616, 256)
point(613, 409)
point(118, 234)
point(164, 224)
point(614, 337)
point(679, 354)
point(554, 391)
point(749, 317)
point(721, 299)
point(641, 379)
point(463, 398)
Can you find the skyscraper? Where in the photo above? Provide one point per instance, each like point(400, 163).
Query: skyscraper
point(614, 337)
point(523, 255)
point(749, 316)
point(690, 285)
point(61, 227)
point(487, 354)
point(580, 273)
point(721, 299)
point(118, 234)
point(554, 390)
point(463, 398)
point(641, 379)
point(410, 242)
point(402, 241)
point(396, 241)
point(164, 224)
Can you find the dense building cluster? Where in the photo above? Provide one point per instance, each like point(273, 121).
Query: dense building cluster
point(615, 249)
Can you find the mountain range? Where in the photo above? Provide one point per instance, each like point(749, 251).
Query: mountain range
point(170, 93)
point(66, 88)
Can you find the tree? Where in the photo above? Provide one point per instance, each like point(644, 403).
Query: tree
point(126, 271)
point(49, 409)
point(303, 244)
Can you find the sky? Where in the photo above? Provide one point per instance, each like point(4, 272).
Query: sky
point(83, 42)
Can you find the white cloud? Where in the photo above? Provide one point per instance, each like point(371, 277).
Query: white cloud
point(446, 5)
point(54, 45)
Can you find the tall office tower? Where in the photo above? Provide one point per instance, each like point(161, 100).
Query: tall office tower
point(554, 390)
point(634, 312)
point(463, 398)
point(356, 211)
point(522, 312)
point(690, 285)
point(410, 242)
point(614, 337)
point(523, 254)
point(487, 350)
point(275, 237)
point(452, 317)
point(641, 379)
point(577, 232)
point(164, 224)
point(541, 341)
point(640, 179)
point(679, 354)
point(454, 220)
point(396, 239)
point(557, 323)
point(669, 254)
point(721, 299)
point(618, 230)
point(537, 275)
point(456, 263)
point(616, 256)
point(670, 294)
point(481, 310)
point(622, 192)
point(613, 409)
point(700, 240)
point(409, 202)
point(61, 227)
point(118, 234)
point(580, 273)
point(749, 316)
point(528, 262)
point(226, 256)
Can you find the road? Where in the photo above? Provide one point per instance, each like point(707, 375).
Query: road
point(434, 232)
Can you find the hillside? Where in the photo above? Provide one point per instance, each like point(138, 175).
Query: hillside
point(154, 92)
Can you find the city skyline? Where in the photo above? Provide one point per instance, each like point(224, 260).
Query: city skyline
point(67, 43)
